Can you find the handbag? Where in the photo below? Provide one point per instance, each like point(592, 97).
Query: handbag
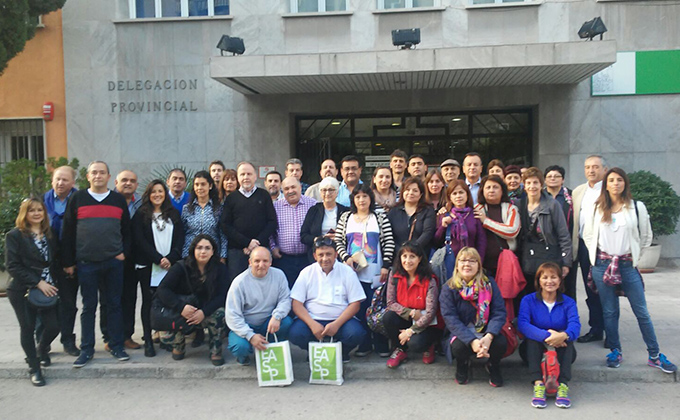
point(510, 333)
point(38, 300)
point(376, 312)
point(169, 319)
point(535, 253)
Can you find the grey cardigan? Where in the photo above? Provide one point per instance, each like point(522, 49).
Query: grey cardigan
point(552, 224)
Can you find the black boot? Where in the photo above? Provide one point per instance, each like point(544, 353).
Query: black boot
point(35, 373)
point(149, 350)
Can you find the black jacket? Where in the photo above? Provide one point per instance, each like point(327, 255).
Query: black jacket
point(144, 247)
point(24, 261)
point(425, 221)
point(311, 227)
point(212, 294)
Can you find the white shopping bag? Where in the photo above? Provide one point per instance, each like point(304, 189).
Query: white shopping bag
point(274, 364)
point(325, 363)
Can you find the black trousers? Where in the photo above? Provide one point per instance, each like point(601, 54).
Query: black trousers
point(237, 262)
point(419, 343)
point(26, 315)
point(68, 309)
point(596, 318)
point(565, 355)
point(462, 352)
point(144, 278)
point(129, 299)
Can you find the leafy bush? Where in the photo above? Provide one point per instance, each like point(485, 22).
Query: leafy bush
point(20, 179)
point(662, 202)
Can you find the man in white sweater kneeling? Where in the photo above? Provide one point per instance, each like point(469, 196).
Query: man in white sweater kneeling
point(258, 303)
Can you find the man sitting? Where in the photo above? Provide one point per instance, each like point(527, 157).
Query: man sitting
point(258, 302)
point(326, 296)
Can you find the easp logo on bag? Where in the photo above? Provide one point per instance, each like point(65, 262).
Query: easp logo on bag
point(324, 363)
point(272, 363)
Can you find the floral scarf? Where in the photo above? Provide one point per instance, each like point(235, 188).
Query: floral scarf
point(480, 298)
point(459, 231)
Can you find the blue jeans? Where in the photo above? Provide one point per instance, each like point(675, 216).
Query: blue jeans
point(291, 265)
point(240, 347)
point(351, 334)
point(106, 276)
point(631, 283)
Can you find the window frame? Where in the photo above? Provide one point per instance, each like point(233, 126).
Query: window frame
point(321, 4)
point(184, 10)
point(30, 130)
point(408, 5)
point(501, 3)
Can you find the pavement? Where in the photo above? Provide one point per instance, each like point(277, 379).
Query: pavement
point(663, 299)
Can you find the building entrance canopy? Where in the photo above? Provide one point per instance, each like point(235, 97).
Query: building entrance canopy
point(462, 67)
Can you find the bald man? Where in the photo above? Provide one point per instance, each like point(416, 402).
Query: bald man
point(126, 184)
point(258, 302)
point(290, 254)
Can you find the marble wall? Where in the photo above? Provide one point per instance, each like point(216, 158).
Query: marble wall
point(635, 132)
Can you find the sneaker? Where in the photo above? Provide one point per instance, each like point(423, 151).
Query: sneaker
point(345, 358)
point(495, 378)
point(428, 356)
point(563, 400)
point(384, 354)
point(72, 349)
point(360, 353)
point(662, 363)
point(614, 358)
point(120, 355)
point(398, 356)
point(243, 360)
point(539, 396)
point(462, 372)
point(45, 360)
point(82, 360)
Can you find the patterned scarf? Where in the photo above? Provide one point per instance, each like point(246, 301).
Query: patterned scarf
point(480, 298)
point(459, 231)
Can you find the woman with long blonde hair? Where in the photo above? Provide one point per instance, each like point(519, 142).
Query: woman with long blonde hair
point(31, 257)
point(474, 313)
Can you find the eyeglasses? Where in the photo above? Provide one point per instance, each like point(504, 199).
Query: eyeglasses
point(553, 176)
point(323, 241)
point(327, 190)
point(350, 168)
point(471, 262)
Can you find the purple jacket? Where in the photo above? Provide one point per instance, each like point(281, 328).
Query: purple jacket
point(476, 235)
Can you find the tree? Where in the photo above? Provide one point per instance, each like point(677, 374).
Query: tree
point(17, 24)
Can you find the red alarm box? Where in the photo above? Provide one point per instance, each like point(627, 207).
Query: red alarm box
point(48, 111)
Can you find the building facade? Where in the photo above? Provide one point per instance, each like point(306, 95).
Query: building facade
point(147, 87)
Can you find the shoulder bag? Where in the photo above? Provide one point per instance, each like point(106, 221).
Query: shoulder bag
point(168, 319)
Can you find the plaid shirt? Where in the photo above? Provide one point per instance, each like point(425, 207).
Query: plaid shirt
point(290, 219)
point(612, 275)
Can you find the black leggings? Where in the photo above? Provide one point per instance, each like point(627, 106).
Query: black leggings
point(144, 278)
point(565, 355)
point(26, 314)
point(462, 352)
point(419, 343)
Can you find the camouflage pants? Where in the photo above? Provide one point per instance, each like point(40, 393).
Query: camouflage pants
point(215, 325)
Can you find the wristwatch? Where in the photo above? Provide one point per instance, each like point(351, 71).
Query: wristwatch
point(277, 317)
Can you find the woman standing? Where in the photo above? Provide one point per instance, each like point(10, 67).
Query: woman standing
point(323, 217)
point(496, 167)
point(364, 241)
point(474, 312)
point(548, 318)
point(228, 185)
point(202, 215)
point(384, 189)
point(544, 235)
point(614, 235)
point(158, 237)
point(202, 275)
point(499, 218)
point(413, 219)
point(458, 227)
point(412, 319)
point(435, 194)
point(31, 257)
point(513, 178)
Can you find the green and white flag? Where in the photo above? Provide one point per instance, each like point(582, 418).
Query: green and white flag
point(639, 73)
point(325, 363)
point(274, 365)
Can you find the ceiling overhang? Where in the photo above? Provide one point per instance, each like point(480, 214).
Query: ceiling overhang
point(442, 68)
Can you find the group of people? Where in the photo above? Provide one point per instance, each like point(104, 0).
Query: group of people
point(304, 261)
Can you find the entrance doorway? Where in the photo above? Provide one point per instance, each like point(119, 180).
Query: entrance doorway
point(505, 135)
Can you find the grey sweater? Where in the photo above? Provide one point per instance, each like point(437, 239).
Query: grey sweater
point(251, 300)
